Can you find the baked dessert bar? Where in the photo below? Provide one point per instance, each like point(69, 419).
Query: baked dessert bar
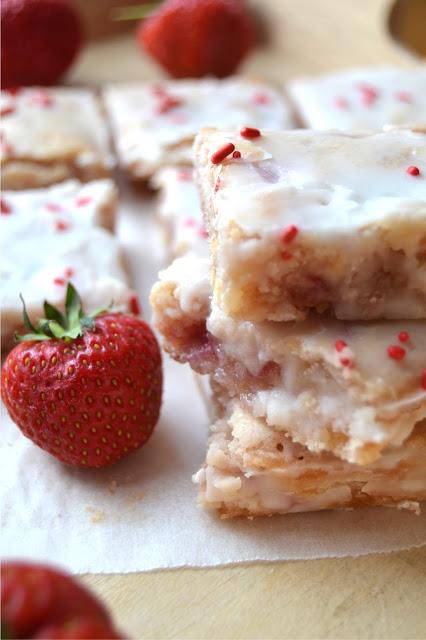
point(179, 211)
point(352, 388)
point(154, 125)
point(63, 205)
point(365, 98)
point(304, 221)
point(49, 135)
point(253, 470)
point(41, 248)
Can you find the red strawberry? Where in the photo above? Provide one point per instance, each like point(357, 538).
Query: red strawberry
point(87, 389)
point(36, 599)
point(40, 39)
point(199, 37)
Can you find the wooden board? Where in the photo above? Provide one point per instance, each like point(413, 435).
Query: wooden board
point(371, 597)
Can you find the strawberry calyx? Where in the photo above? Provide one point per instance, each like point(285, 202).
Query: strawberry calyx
point(57, 325)
point(135, 12)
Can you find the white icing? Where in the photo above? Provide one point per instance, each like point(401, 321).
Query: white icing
point(149, 140)
point(71, 127)
point(180, 210)
point(337, 101)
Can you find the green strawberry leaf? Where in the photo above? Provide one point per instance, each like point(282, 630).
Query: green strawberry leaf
point(55, 325)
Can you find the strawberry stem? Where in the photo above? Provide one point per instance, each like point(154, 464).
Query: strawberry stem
point(137, 12)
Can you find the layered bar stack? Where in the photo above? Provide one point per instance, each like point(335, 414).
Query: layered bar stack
point(308, 315)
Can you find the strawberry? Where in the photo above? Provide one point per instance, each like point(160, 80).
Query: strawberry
point(39, 41)
point(87, 389)
point(198, 37)
point(38, 601)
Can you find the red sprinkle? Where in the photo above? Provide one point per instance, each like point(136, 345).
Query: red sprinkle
point(6, 111)
point(347, 362)
point(60, 225)
point(368, 95)
point(289, 233)
point(403, 96)
point(83, 201)
point(184, 175)
point(5, 209)
point(260, 97)
point(42, 99)
point(249, 132)
point(403, 336)
point(68, 272)
point(54, 208)
point(286, 255)
point(341, 103)
point(134, 305)
point(396, 352)
point(413, 171)
point(424, 379)
point(59, 281)
point(236, 155)
point(340, 345)
point(167, 103)
point(222, 153)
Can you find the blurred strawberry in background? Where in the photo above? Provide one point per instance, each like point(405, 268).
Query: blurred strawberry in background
point(38, 601)
point(194, 38)
point(39, 41)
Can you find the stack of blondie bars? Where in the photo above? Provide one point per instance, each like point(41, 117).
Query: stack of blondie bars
point(306, 308)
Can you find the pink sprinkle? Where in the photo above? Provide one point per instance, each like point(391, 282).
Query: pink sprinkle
point(178, 118)
point(134, 305)
point(83, 201)
point(184, 175)
point(217, 185)
point(403, 336)
point(6, 111)
point(368, 95)
point(347, 362)
point(41, 99)
point(202, 232)
point(190, 222)
point(167, 103)
point(413, 171)
point(286, 255)
point(424, 379)
point(341, 103)
point(260, 97)
point(5, 209)
point(54, 208)
point(236, 155)
point(289, 233)
point(59, 281)
point(61, 225)
point(403, 96)
point(158, 90)
point(396, 352)
point(340, 345)
point(68, 272)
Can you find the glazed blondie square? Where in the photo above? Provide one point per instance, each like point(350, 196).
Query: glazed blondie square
point(254, 470)
point(154, 125)
point(351, 388)
point(302, 221)
point(50, 135)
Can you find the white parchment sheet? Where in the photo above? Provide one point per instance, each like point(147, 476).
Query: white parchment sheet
point(141, 514)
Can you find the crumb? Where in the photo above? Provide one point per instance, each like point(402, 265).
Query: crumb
point(112, 487)
point(411, 505)
point(96, 514)
point(135, 497)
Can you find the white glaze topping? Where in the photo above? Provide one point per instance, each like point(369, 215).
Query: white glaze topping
point(42, 124)
point(365, 98)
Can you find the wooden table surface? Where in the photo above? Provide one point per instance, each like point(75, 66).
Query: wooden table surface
point(381, 596)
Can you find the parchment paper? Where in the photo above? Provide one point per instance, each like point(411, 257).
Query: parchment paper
point(141, 514)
